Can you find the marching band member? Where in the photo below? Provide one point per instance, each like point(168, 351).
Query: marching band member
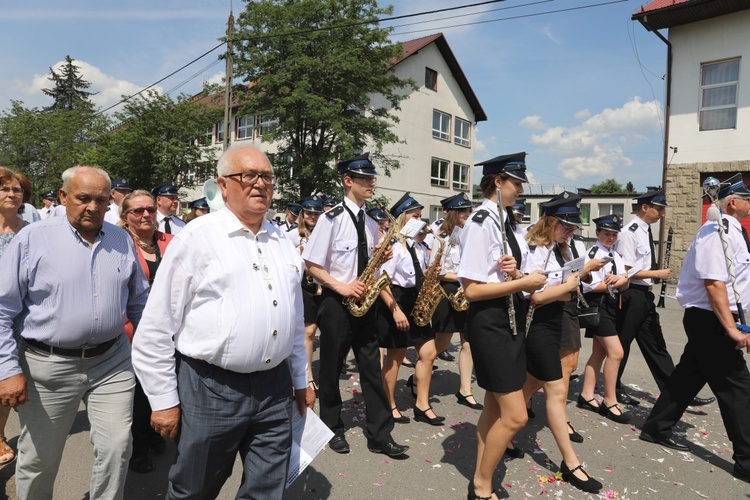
point(384, 223)
point(336, 255)
point(604, 288)
point(549, 242)
point(498, 354)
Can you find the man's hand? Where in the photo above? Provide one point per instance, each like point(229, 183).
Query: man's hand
point(166, 422)
point(742, 339)
point(388, 254)
point(305, 399)
point(354, 289)
point(13, 391)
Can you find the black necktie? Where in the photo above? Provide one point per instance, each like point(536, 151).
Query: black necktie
point(614, 266)
point(418, 274)
point(653, 250)
point(515, 250)
point(167, 226)
point(361, 243)
point(747, 241)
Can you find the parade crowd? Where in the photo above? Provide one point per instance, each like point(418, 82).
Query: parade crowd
point(202, 329)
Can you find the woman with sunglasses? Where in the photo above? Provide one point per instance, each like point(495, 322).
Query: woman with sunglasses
point(138, 217)
point(548, 241)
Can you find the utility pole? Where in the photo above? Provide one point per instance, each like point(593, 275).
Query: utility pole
point(228, 128)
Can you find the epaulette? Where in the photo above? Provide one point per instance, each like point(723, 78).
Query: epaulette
point(579, 237)
point(292, 226)
point(633, 226)
point(439, 221)
point(480, 216)
point(337, 210)
point(443, 235)
point(592, 252)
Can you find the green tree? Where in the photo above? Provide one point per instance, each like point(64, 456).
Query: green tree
point(315, 66)
point(609, 186)
point(157, 141)
point(629, 187)
point(68, 92)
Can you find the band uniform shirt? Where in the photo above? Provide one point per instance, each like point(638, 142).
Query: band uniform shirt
point(544, 259)
point(113, 213)
point(599, 275)
point(57, 289)
point(334, 243)
point(224, 296)
point(634, 247)
point(401, 267)
point(175, 222)
point(451, 255)
point(705, 261)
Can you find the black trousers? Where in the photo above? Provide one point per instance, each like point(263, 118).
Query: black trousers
point(143, 434)
point(709, 357)
point(340, 331)
point(640, 322)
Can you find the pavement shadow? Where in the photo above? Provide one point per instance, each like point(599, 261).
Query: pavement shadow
point(152, 485)
point(311, 484)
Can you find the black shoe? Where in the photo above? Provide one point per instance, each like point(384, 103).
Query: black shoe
point(141, 464)
point(590, 485)
point(530, 412)
point(421, 416)
point(666, 442)
point(473, 495)
point(514, 452)
point(446, 356)
point(742, 475)
point(338, 444)
point(702, 401)
point(574, 436)
point(586, 404)
point(407, 363)
point(411, 386)
point(606, 411)
point(464, 400)
point(401, 419)
point(390, 448)
point(627, 400)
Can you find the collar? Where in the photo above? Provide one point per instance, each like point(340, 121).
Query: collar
point(492, 207)
point(642, 223)
point(733, 221)
point(80, 238)
point(234, 225)
point(353, 206)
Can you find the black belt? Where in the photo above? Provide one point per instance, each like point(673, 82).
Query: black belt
point(642, 288)
point(73, 352)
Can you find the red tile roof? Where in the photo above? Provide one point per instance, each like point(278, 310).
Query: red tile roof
point(660, 14)
point(659, 4)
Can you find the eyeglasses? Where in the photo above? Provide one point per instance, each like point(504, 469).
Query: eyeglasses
point(366, 178)
point(5, 191)
point(569, 229)
point(140, 210)
point(249, 178)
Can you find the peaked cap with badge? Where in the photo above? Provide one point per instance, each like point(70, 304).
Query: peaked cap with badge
point(50, 195)
point(658, 198)
point(513, 165)
point(167, 189)
point(199, 204)
point(329, 202)
point(456, 202)
point(734, 185)
point(377, 214)
point(294, 208)
point(519, 207)
point(405, 204)
point(359, 164)
point(121, 185)
point(312, 204)
point(566, 207)
point(612, 222)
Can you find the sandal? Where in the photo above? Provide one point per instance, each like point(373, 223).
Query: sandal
point(8, 454)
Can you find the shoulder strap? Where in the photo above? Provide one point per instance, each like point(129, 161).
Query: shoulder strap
point(592, 252)
point(337, 210)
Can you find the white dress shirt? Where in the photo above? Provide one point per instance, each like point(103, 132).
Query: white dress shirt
point(401, 267)
point(543, 259)
point(113, 213)
point(333, 244)
point(599, 276)
point(635, 248)
point(175, 223)
point(58, 211)
point(45, 211)
point(705, 261)
point(451, 254)
point(225, 296)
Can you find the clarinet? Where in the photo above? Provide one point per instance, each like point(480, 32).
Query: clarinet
point(504, 238)
point(667, 253)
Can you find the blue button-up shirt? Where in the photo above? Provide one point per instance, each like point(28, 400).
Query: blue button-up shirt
point(58, 289)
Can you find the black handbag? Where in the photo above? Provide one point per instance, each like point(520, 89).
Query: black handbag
point(588, 317)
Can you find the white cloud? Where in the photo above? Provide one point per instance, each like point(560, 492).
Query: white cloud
point(218, 78)
point(547, 31)
point(533, 122)
point(582, 114)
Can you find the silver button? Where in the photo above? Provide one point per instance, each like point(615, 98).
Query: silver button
point(275, 332)
point(270, 287)
point(275, 303)
point(255, 266)
point(268, 360)
point(260, 251)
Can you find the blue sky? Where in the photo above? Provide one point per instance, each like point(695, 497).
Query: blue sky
point(581, 91)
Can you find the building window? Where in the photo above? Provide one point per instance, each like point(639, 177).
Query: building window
point(430, 78)
point(208, 137)
point(220, 132)
point(586, 213)
point(719, 83)
point(265, 124)
point(436, 212)
point(462, 133)
point(460, 176)
point(245, 127)
point(441, 125)
point(611, 208)
point(439, 172)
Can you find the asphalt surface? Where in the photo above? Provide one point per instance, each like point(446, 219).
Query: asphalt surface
point(441, 459)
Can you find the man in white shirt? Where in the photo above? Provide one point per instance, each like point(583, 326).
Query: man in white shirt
point(167, 204)
point(221, 342)
point(48, 199)
point(713, 353)
point(120, 189)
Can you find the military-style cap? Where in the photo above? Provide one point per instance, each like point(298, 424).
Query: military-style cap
point(513, 165)
point(121, 185)
point(734, 185)
point(565, 206)
point(167, 189)
point(50, 195)
point(312, 204)
point(200, 204)
point(612, 222)
point(405, 204)
point(329, 202)
point(456, 202)
point(294, 207)
point(359, 164)
point(653, 198)
point(519, 207)
point(377, 214)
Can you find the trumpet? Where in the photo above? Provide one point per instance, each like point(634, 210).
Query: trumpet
point(504, 238)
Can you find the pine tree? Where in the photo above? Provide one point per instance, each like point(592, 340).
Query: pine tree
point(69, 88)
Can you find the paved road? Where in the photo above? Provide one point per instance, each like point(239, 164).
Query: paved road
point(441, 458)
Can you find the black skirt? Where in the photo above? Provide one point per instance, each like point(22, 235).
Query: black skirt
point(446, 319)
point(499, 356)
point(310, 301)
point(570, 330)
point(608, 308)
point(392, 337)
point(543, 343)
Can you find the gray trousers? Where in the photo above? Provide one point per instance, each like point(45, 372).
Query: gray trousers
point(224, 413)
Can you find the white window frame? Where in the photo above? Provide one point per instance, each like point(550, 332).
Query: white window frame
point(443, 130)
point(220, 133)
point(463, 175)
point(207, 138)
point(441, 180)
point(265, 124)
point(460, 138)
point(245, 127)
point(706, 112)
point(610, 208)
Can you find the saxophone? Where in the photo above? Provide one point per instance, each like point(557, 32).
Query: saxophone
point(458, 300)
point(432, 292)
point(359, 307)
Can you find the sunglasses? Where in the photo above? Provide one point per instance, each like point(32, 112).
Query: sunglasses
point(140, 210)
